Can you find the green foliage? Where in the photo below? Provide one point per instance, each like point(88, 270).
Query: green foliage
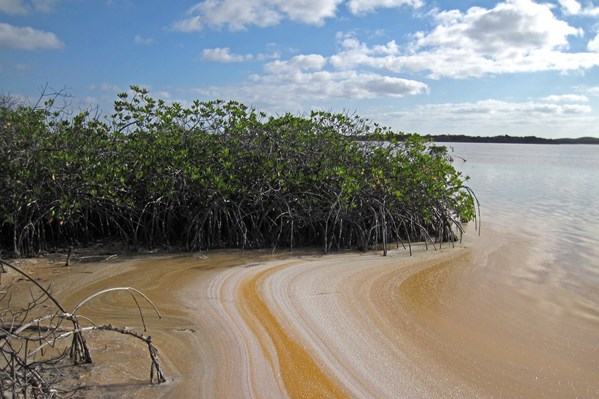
point(219, 174)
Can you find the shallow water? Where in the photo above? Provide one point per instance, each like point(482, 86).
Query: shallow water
point(546, 196)
point(491, 326)
point(529, 298)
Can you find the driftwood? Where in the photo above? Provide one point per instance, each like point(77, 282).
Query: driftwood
point(27, 366)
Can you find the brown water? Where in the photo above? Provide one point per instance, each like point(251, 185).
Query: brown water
point(489, 332)
point(511, 313)
point(533, 283)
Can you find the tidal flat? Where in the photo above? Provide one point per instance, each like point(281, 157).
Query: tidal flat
point(441, 323)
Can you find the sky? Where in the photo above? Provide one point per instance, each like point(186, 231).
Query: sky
point(475, 67)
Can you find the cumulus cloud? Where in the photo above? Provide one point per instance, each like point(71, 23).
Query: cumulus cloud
point(305, 77)
point(297, 63)
point(514, 36)
point(163, 94)
point(573, 7)
point(238, 15)
point(308, 11)
point(27, 38)
point(574, 98)
point(497, 108)
point(274, 55)
point(301, 82)
point(365, 6)
point(224, 55)
point(570, 6)
point(593, 45)
point(339, 84)
point(193, 23)
point(492, 117)
point(512, 26)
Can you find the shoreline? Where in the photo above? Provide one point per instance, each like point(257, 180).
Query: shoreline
point(437, 324)
point(206, 337)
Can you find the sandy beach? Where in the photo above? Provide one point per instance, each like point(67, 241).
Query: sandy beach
point(439, 324)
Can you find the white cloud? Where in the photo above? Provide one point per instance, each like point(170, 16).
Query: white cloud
point(308, 11)
point(492, 117)
point(591, 12)
point(593, 45)
point(23, 7)
point(572, 98)
point(300, 89)
point(304, 78)
point(512, 26)
point(300, 62)
point(223, 55)
point(274, 55)
point(27, 38)
point(514, 36)
point(189, 24)
point(146, 41)
point(497, 108)
point(354, 53)
point(573, 7)
point(163, 94)
point(237, 15)
point(365, 6)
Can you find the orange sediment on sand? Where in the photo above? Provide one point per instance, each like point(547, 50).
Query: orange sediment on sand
point(301, 375)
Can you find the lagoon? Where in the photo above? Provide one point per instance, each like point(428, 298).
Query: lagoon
point(549, 195)
point(529, 300)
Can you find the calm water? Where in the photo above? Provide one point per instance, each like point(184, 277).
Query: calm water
point(549, 196)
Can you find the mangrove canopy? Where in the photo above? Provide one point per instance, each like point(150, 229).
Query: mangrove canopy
point(217, 175)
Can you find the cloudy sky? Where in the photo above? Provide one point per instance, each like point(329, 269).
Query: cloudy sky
point(518, 67)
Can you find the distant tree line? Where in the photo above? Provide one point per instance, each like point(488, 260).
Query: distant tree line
point(217, 174)
point(460, 138)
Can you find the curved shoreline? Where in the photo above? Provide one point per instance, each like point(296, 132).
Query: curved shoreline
point(262, 321)
point(249, 324)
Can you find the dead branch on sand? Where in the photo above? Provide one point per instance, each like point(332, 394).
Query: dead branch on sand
point(31, 337)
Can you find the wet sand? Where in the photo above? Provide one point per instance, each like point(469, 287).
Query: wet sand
point(457, 322)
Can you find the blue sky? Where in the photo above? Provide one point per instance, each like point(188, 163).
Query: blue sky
point(518, 67)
